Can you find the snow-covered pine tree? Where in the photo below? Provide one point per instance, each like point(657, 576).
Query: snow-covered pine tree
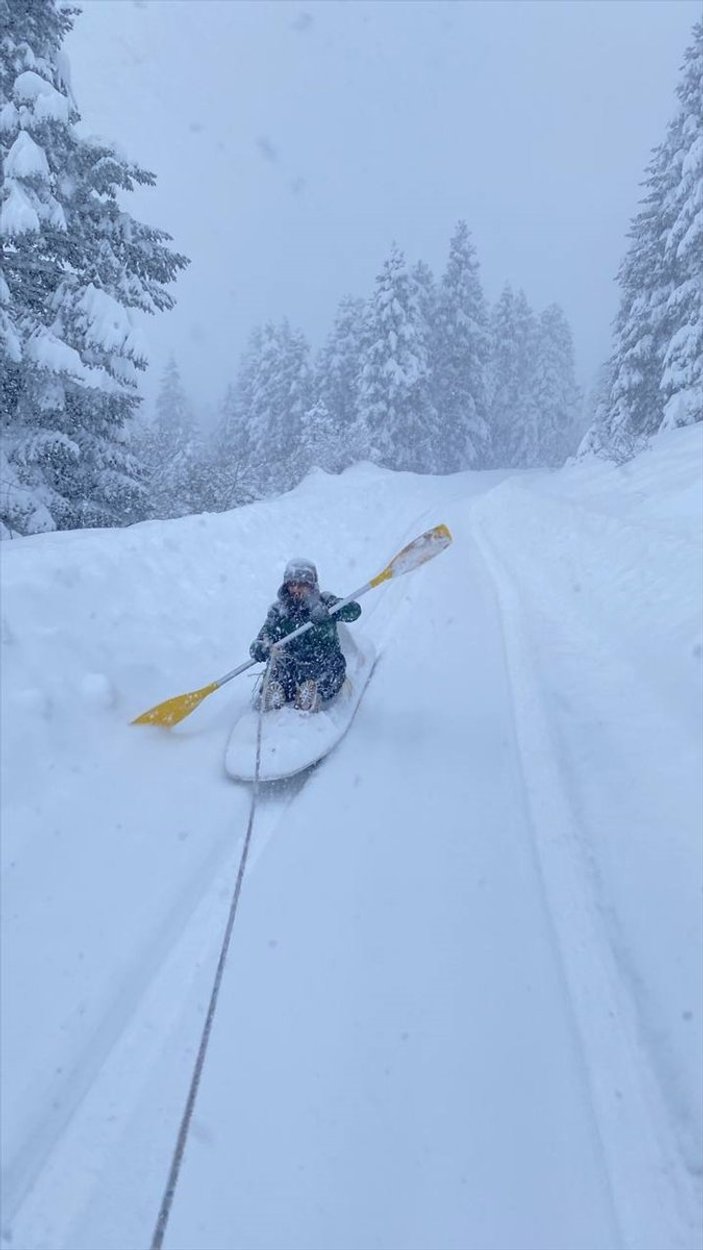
point(19, 511)
point(274, 391)
point(636, 408)
point(75, 265)
point(234, 474)
point(320, 441)
point(595, 409)
point(555, 397)
point(337, 377)
point(513, 417)
point(174, 454)
point(502, 376)
point(524, 441)
point(517, 438)
point(174, 416)
point(682, 376)
point(184, 486)
point(461, 356)
point(396, 420)
point(657, 359)
point(425, 291)
point(426, 299)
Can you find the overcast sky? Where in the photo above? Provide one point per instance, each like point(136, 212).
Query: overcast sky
point(293, 142)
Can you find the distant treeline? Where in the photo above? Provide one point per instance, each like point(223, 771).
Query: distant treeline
point(423, 377)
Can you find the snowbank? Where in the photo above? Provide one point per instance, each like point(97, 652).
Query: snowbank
point(599, 573)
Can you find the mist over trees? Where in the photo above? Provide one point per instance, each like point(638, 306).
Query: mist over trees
point(173, 454)
point(404, 378)
point(423, 375)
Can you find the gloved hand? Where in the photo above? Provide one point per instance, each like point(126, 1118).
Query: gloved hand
point(319, 613)
point(259, 650)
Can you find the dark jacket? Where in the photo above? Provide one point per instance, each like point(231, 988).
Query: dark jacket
point(319, 648)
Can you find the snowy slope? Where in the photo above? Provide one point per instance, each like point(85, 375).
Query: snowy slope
point(462, 1007)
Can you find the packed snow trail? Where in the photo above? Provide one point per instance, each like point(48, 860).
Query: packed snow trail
point(399, 1057)
point(383, 1028)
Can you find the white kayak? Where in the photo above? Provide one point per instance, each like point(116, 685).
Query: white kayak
point(292, 741)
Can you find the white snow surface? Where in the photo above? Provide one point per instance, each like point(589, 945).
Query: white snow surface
point(17, 215)
point(26, 159)
point(50, 352)
point(107, 323)
point(30, 85)
point(48, 103)
point(462, 1006)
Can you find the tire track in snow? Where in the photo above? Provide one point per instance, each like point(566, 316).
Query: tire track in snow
point(47, 1128)
point(655, 1203)
point(434, 1130)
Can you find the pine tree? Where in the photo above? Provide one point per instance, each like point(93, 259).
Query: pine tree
point(183, 485)
point(461, 358)
point(75, 265)
point(636, 408)
point(657, 359)
point(395, 415)
point(596, 406)
point(273, 394)
point(234, 473)
point(525, 434)
point(513, 412)
point(426, 301)
point(320, 441)
point(174, 453)
point(555, 398)
point(425, 292)
point(502, 375)
point(337, 377)
point(174, 416)
point(682, 376)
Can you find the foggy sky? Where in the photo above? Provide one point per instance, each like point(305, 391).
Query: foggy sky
point(294, 142)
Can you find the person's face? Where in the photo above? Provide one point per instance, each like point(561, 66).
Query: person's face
point(299, 590)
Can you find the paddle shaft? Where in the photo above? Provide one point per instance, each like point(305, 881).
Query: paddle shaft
point(302, 629)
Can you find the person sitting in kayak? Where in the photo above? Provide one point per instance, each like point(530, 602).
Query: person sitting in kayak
point(311, 669)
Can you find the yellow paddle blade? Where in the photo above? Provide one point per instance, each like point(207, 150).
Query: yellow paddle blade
point(417, 552)
point(171, 711)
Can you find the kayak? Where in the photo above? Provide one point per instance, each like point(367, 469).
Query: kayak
point(291, 740)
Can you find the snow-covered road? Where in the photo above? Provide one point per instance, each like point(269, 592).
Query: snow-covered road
point(444, 1022)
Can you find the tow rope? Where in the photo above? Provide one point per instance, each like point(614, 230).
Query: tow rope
point(179, 1150)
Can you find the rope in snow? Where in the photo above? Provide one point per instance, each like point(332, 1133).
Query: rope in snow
point(172, 1181)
